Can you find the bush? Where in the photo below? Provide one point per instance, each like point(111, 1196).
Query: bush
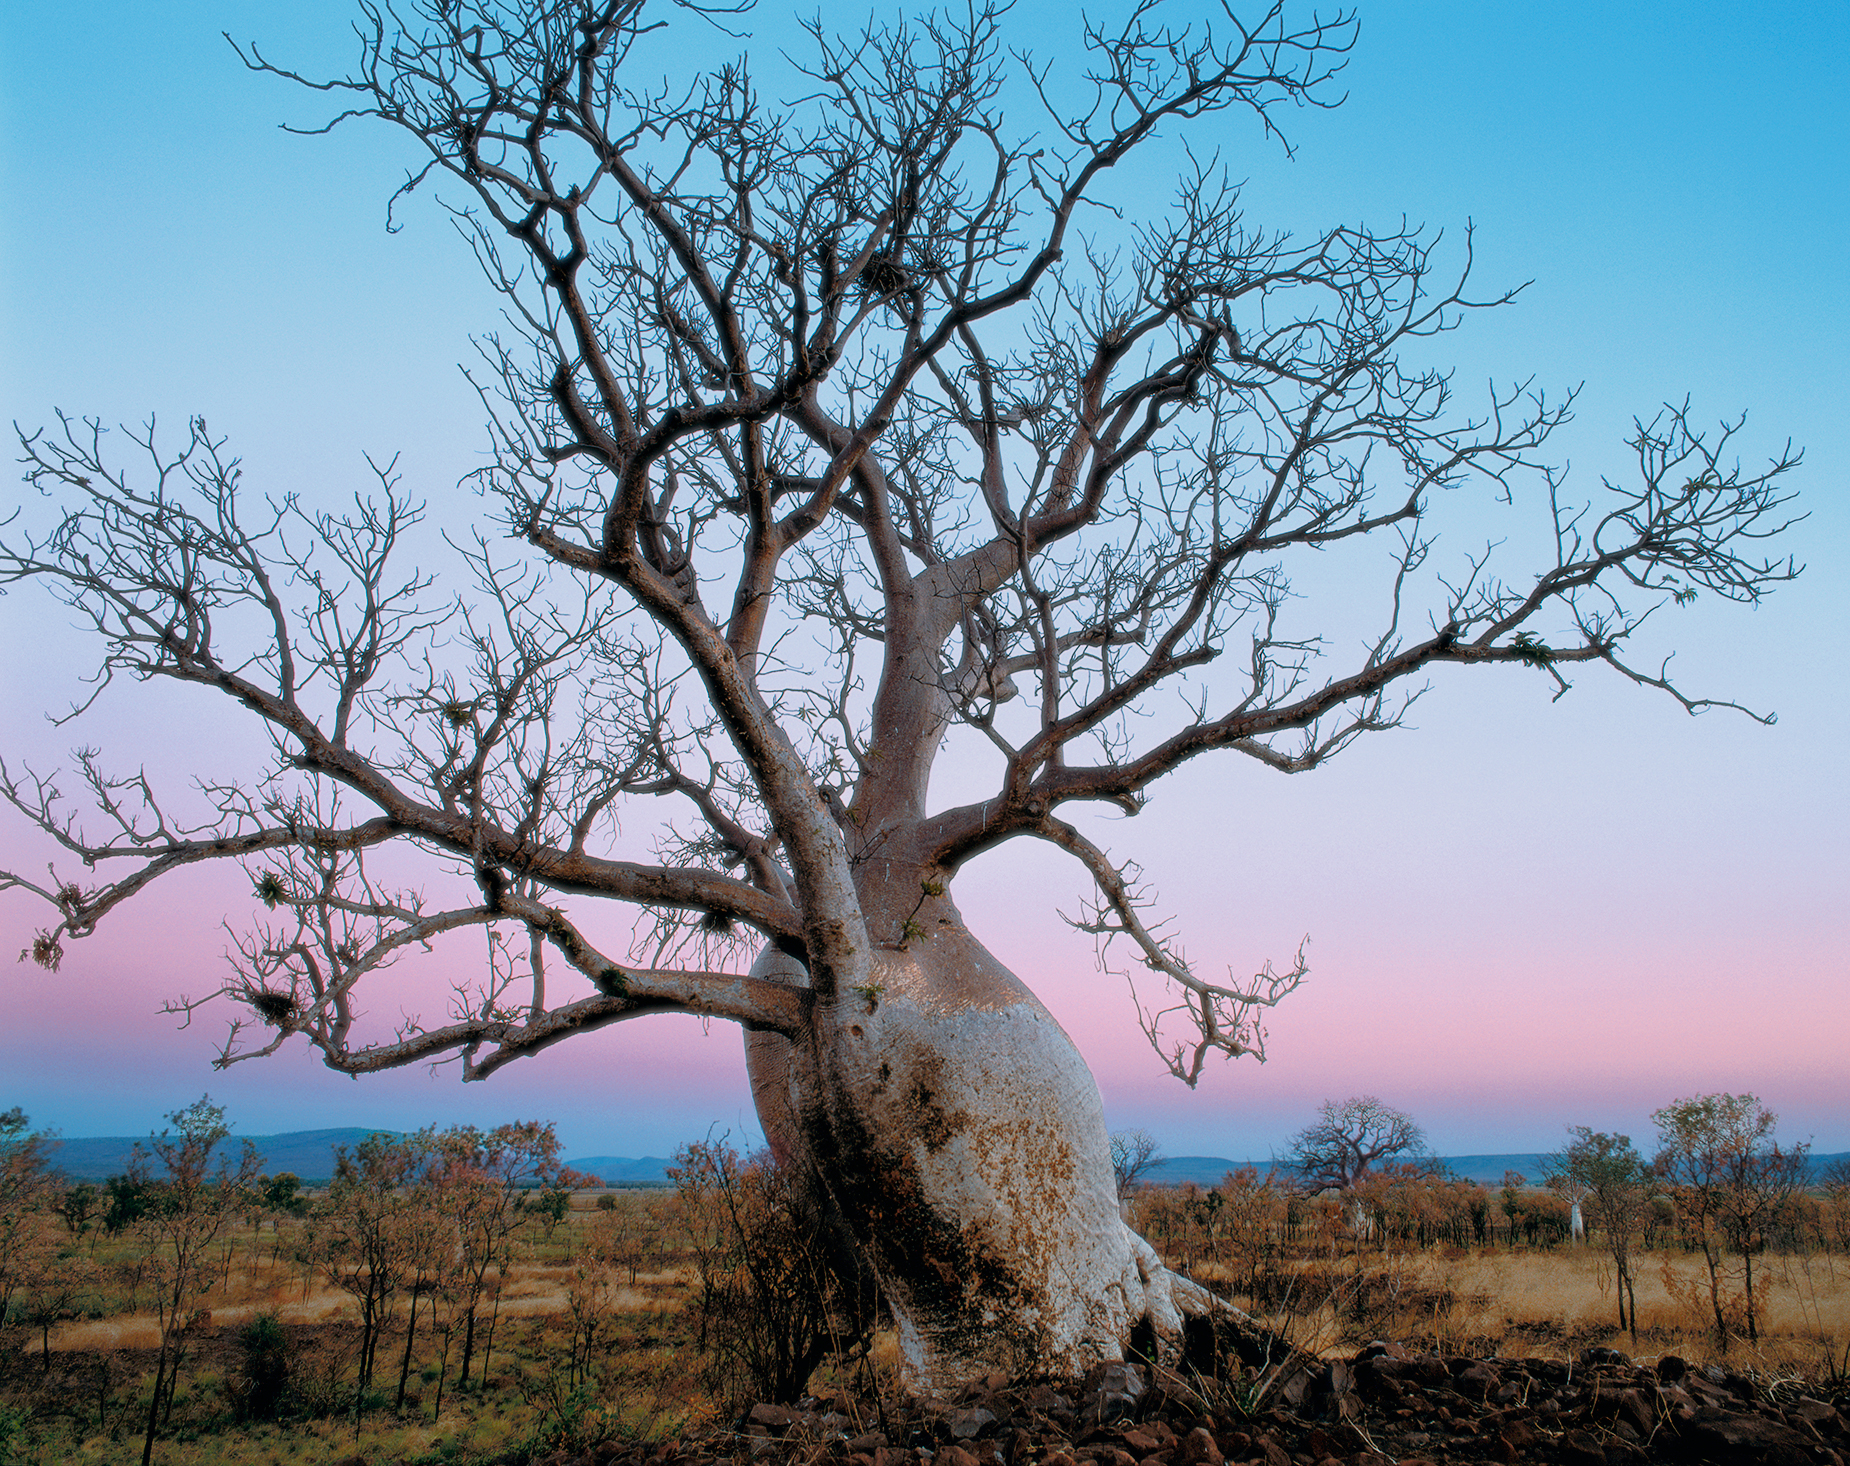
point(264, 1376)
point(777, 1292)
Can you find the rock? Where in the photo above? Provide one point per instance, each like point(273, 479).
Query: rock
point(1273, 1453)
point(964, 1425)
point(1670, 1368)
point(1293, 1385)
point(1582, 1448)
point(1114, 1390)
point(953, 1455)
point(1477, 1382)
point(770, 1417)
point(1754, 1438)
point(1198, 1448)
point(866, 1445)
point(1818, 1413)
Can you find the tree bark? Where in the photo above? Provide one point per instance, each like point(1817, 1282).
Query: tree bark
point(959, 1134)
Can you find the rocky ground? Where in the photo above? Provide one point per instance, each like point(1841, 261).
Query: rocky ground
point(1388, 1404)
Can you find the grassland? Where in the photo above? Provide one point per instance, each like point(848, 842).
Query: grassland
point(78, 1390)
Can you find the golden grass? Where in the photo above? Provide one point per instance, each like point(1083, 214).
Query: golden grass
point(1531, 1298)
point(1575, 1289)
point(1563, 1300)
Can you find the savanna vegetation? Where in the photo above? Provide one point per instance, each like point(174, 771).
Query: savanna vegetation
point(458, 1295)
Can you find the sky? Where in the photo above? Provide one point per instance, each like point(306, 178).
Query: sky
point(1522, 914)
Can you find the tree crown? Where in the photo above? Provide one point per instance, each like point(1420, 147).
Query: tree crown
point(837, 427)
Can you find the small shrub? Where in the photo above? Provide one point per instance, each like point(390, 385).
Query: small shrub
point(258, 1388)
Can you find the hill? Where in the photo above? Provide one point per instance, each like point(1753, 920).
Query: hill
point(619, 1170)
point(308, 1153)
point(1486, 1170)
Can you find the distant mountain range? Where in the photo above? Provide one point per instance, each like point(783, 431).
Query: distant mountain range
point(310, 1155)
point(1485, 1170)
point(622, 1170)
point(1207, 1170)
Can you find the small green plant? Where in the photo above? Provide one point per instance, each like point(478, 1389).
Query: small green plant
point(264, 1373)
point(1530, 651)
point(869, 993)
point(13, 1438)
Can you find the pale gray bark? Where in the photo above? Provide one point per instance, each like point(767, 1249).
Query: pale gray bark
point(828, 436)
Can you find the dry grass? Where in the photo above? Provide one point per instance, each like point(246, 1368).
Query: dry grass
point(1562, 1300)
point(1549, 1301)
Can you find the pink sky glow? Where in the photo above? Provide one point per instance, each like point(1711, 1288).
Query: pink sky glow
point(1522, 914)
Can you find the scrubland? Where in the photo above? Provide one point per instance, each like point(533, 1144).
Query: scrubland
point(583, 1340)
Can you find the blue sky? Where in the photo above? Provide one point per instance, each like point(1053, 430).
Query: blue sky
point(1523, 915)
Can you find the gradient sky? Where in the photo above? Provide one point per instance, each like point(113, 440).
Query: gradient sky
point(1522, 915)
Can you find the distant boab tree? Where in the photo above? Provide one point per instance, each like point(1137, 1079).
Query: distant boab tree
point(1133, 1154)
point(1615, 1186)
point(834, 432)
point(1349, 1141)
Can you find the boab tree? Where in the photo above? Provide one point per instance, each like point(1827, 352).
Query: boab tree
point(830, 434)
point(1350, 1141)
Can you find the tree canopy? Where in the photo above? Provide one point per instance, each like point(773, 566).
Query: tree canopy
point(834, 424)
point(1352, 1140)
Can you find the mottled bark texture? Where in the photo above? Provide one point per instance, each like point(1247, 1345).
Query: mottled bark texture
point(951, 403)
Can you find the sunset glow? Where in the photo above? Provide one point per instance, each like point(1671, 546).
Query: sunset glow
point(1523, 914)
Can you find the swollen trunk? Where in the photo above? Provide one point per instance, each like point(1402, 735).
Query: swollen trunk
point(960, 1135)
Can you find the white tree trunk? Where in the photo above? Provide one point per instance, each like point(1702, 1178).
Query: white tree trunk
point(961, 1136)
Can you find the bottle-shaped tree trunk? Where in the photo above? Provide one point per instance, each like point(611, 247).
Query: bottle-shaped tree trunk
point(960, 1135)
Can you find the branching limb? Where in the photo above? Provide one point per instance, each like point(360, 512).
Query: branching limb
point(1223, 1018)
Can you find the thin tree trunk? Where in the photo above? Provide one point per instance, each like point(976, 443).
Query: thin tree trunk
point(173, 1386)
point(1747, 1276)
point(443, 1370)
point(404, 1365)
point(1715, 1292)
point(488, 1342)
point(154, 1404)
point(462, 1372)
